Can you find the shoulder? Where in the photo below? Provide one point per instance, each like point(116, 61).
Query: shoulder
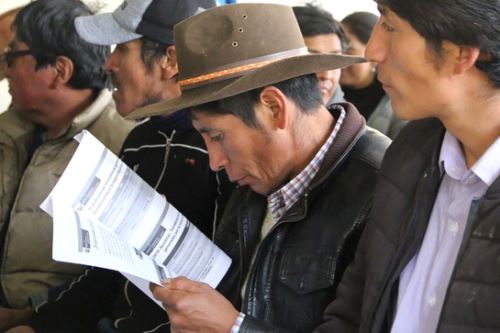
point(419, 137)
point(414, 150)
point(371, 147)
point(14, 124)
point(151, 132)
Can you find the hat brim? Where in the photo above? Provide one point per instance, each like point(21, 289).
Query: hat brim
point(102, 29)
point(270, 74)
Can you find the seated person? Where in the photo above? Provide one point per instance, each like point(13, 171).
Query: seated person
point(359, 81)
point(306, 173)
point(323, 34)
point(167, 152)
point(59, 87)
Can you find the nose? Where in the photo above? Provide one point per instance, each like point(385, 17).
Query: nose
point(325, 75)
point(217, 158)
point(376, 47)
point(112, 61)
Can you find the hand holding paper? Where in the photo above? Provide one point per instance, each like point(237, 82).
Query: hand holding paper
point(107, 216)
point(195, 307)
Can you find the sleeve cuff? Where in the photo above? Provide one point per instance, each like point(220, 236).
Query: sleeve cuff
point(237, 323)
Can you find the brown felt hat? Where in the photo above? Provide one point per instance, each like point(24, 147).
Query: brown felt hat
point(231, 49)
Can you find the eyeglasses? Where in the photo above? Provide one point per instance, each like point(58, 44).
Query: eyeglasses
point(11, 56)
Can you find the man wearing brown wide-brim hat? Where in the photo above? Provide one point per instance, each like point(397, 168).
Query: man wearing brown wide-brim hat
point(305, 173)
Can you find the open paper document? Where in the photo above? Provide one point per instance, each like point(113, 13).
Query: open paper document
point(105, 215)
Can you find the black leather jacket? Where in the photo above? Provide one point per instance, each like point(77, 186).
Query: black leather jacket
point(299, 263)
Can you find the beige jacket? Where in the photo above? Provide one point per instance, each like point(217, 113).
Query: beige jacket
point(27, 270)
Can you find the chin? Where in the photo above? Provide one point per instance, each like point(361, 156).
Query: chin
point(260, 189)
point(123, 110)
point(326, 99)
point(406, 113)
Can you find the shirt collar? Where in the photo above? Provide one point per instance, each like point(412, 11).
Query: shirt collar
point(284, 198)
point(452, 159)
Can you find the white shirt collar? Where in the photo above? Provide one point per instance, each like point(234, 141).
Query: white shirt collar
point(487, 167)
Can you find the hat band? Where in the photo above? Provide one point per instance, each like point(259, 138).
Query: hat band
point(238, 69)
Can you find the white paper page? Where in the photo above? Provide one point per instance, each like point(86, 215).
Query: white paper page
point(143, 285)
point(99, 185)
point(78, 239)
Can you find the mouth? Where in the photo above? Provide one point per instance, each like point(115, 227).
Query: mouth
point(115, 83)
point(325, 89)
point(385, 86)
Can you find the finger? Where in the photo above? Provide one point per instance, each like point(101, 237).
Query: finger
point(184, 284)
point(153, 286)
point(164, 294)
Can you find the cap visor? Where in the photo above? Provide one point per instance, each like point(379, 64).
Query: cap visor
point(102, 29)
point(273, 73)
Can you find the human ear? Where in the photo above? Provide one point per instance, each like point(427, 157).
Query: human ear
point(275, 101)
point(64, 68)
point(168, 63)
point(466, 58)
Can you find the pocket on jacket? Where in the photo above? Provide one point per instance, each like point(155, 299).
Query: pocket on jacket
point(306, 273)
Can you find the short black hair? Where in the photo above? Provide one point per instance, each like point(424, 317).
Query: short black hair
point(47, 27)
point(473, 23)
point(303, 91)
point(152, 51)
point(314, 21)
point(360, 24)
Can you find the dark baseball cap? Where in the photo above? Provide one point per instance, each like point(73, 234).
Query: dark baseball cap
point(133, 19)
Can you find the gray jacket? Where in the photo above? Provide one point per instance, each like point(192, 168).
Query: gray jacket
point(384, 119)
point(27, 269)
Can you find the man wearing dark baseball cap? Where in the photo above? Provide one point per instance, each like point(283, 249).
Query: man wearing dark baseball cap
point(167, 152)
point(143, 32)
point(306, 173)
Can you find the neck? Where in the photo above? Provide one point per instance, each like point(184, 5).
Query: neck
point(170, 89)
point(476, 125)
point(311, 133)
point(62, 110)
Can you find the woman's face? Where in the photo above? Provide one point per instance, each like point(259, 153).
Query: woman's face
point(360, 75)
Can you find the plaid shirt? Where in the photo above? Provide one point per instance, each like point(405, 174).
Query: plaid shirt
point(283, 199)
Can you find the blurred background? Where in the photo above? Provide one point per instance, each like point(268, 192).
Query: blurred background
point(338, 8)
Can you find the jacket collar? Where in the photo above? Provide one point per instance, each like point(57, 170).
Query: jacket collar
point(90, 114)
point(350, 132)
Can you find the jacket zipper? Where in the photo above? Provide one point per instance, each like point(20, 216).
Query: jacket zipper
point(167, 154)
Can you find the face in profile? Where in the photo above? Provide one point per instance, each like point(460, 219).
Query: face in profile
point(134, 84)
point(361, 75)
point(250, 156)
point(417, 82)
point(28, 86)
point(328, 80)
